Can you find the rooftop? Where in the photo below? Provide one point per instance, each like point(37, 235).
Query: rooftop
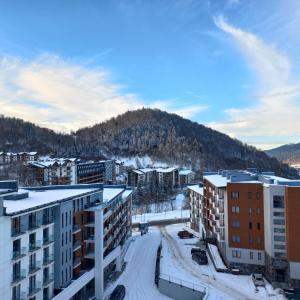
point(41, 198)
point(111, 193)
point(196, 188)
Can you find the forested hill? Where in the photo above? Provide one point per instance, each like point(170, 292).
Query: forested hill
point(287, 153)
point(163, 136)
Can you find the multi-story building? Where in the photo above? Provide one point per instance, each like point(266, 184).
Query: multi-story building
point(110, 170)
point(186, 177)
point(56, 240)
point(252, 218)
point(9, 157)
point(196, 206)
point(90, 172)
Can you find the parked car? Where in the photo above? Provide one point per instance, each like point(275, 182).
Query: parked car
point(258, 279)
point(184, 234)
point(197, 250)
point(118, 293)
point(200, 258)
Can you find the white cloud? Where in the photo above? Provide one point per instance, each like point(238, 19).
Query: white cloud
point(275, 111)
point(65, 96)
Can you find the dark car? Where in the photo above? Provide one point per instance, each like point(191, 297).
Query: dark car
point(118, 293)
point(197, 250)
point(200, 258)
point(184, 234)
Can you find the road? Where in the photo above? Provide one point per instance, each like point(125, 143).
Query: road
point(138, 277)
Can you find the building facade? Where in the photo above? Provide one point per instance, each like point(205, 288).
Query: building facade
point(49, 234)
point(252, 217)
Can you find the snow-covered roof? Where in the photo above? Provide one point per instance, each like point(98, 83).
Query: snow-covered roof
point(41, 198)
point(111, 193)
point(138, 172)
point(217, 180)
point(196, 188)
point(165, 170)
point(147, 170)
point(185, 172)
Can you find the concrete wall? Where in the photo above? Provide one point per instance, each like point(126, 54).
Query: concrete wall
point(178, 292)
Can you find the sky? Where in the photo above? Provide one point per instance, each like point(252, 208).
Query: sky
point(232, 65)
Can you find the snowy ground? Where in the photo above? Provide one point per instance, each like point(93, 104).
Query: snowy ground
point(173, 214)
point(177, 262)
point(138, 277)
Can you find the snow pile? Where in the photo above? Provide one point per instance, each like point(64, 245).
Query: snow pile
point(218, 262)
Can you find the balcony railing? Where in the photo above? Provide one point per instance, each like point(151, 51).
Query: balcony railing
point(17, 277)
point(48, 279)
point(15, 231)
point(34, 267)
point(48, 240)
point(32, 290)
point(35, 246)
point(76, 262)
point(19, 253)
point(33, 225)
point(48, 259)
point(76, 245)
point(47, 220)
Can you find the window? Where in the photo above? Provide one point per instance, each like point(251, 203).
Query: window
point(279, 246)
point(70, 218)
point(62, 277)
point(278, 201)
point(235, 209)
point(236, 224)
point(66, 256)
point(236, 238)
point(62, 220)
point(250, 225)
point(257, 195)
point(258, 226)
point(70, 235)
point(234, 195)
point(250, 211)
point(278, 222)
point(249, 195)
point(251, 254)
point(62, 258)
point(278, 214)
point(279, 255)
point(258, 211)
point(70, 254)
point(279, 230)
point(62, 239)
point(66, 219)
point(236, 253)
point(258, 239)
point(279, 238)
point(259, 256)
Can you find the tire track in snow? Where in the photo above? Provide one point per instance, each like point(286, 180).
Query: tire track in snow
point(190, 268)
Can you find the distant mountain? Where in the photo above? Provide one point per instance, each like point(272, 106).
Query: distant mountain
point(17, 135)
point(287, 153)
point(162, 136)
point(173, 139)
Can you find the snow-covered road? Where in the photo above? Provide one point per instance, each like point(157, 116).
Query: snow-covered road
point(138, 277)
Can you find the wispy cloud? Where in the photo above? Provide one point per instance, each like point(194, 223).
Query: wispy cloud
point(65, 95)
point(275, 110)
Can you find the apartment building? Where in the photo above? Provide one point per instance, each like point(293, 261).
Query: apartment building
point(90, 172)
point(56, 240)
point(196, 204)
point(186, 177)
point(252, 217)
point(9, 157)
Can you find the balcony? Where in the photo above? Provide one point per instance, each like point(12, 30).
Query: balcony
point(34, 267)
point(47, 220)
point(17, 277)
point(35, 246)
point(76, 262)
point(34, 289)
point(33, 225)
point(48, 280)
point(19, 253)
point(48, 240)
point(90, 223)
point(48, 260)
point(16, 231)
point(107, 215)
point(76, 245)
point(76, 228)
point(90, 255)
point(90, 239)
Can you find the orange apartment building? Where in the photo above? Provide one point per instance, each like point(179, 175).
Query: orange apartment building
point(253, 218)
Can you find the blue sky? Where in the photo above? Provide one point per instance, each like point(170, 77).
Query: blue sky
point(232, 65)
